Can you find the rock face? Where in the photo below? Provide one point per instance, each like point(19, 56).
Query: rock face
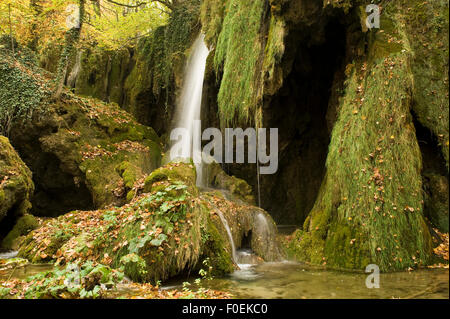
point(16, 186)
point(84, 153)
point(168, 229)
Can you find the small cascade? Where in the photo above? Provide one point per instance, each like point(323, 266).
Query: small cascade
point(262, 226)
point(230, 236)
point(189, 106)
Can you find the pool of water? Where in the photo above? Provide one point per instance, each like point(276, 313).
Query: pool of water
point(289, 280)
point(24, 271)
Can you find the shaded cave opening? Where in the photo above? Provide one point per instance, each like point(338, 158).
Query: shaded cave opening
point(8, 222)
point(56, 192)
point(246, 242)
point(435, 178)
point(303, 111)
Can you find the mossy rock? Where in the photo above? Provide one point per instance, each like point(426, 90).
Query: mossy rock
point(11, 263)
point(436, 200)
point(16, 185)
point(427, 29)
point(172, 172)
point(102, 73)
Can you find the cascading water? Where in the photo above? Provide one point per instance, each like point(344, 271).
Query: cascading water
point(189, 106)
point(230, 236)
point(72, 78)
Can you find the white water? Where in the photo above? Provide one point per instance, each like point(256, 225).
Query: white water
point(72, 78)
point(8, 255)
point(189, 106)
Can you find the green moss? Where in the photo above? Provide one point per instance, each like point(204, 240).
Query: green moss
point(89, 137)
point(436, 200)
point(14, 107)
point(239, 94)
point(134, 267)
point(238, 187)
point(159, 60)
point(172, 172)
point(102, 73)
point(214, 249)
point(128, 173)
point(212, 13)
point(273, 54)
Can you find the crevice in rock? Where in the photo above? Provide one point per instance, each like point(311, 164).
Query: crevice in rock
point(435, 178)
point(246, 242)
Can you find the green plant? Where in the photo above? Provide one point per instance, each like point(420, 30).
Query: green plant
point(85, 281)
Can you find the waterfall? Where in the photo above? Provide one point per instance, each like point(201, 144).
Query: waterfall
point(189, 105)
point(72, 78)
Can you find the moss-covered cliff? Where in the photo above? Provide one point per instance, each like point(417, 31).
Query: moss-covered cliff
point(370, 205)
point(142, 79)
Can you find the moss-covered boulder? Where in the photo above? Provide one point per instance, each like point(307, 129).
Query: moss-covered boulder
point(251, 227)
point(84, 153)
point(144, 78)
point(16, 185)
point(158, 235)
point(427, 29)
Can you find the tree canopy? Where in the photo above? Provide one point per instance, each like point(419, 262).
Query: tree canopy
point(107, 23)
